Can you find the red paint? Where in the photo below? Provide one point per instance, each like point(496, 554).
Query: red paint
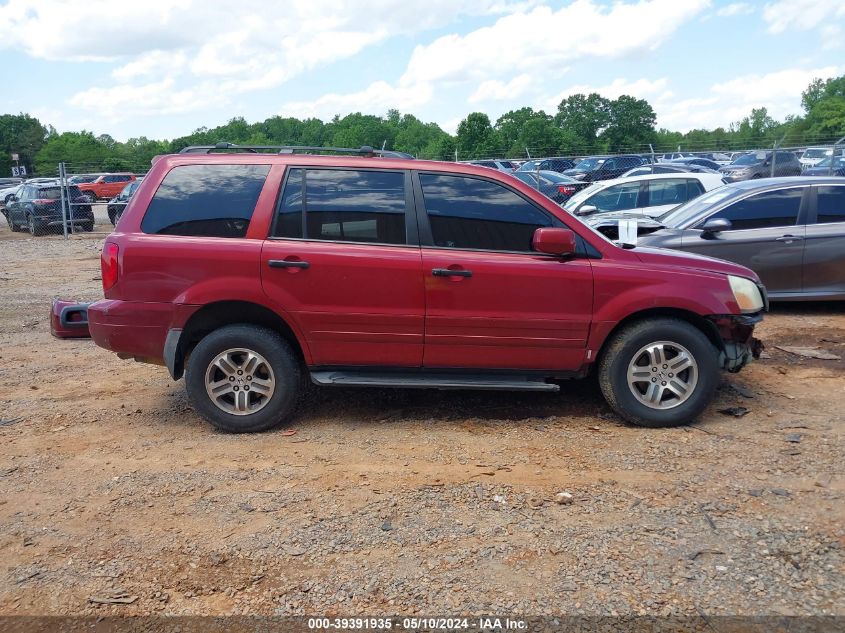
point(360, 304)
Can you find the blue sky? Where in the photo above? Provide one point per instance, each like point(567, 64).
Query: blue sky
point(163, 68)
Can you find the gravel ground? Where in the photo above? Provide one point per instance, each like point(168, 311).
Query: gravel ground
point(411, 502)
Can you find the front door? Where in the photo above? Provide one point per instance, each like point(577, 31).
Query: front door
point(342, 262)
point(491, 302)
point(766, 235)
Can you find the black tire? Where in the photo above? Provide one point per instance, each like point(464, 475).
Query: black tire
point(281, 359)
point(87, 227)
point(35, 227)
point(625, 344)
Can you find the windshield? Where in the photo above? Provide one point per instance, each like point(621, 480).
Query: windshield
point(676, 217)
point(529, 165)
point(816, 152)
point(840, 162)
point(750, 159)
point(586, 164)
point(582, 195)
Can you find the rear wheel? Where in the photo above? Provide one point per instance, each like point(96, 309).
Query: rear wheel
point(88, 226)
point(659, 372)
point(244, 379)
point(35, 227)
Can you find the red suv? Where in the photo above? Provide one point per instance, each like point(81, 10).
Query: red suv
point(252, 272)
point(106, 186)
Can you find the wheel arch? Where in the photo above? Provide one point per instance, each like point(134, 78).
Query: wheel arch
point(216, 315)
point(707, 327)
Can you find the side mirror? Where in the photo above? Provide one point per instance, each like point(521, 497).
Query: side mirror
point(716, 225)
point(586, 209)
point(554, 241)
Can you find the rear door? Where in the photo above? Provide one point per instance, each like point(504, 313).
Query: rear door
point(491, 302)
point(767, 236)
point(344, 261)
point(665, 194)
point(824, 253)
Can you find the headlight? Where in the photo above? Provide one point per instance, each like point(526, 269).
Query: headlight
point(746, 293)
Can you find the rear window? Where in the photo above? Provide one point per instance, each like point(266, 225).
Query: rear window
point(52, 193)
point(205, 200)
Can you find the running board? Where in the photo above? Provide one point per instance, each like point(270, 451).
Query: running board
point(418, 380)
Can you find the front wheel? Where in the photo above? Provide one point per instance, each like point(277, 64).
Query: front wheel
point(243, 379)
point(659, 372)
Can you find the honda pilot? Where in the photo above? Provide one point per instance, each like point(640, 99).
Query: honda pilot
point(252, 271)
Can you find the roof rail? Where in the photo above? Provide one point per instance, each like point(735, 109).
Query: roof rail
point(364, 150)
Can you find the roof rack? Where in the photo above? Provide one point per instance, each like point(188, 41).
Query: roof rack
point(364, 150)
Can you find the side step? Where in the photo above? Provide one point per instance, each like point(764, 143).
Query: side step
point(420, 380)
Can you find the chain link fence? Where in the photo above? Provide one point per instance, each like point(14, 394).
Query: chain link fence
point(78, 200)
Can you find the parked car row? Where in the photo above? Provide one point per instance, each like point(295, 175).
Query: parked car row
point(790, 231)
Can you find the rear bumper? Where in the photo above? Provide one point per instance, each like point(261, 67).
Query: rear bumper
point(131, 329)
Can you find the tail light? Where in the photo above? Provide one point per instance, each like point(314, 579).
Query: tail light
point(108, 264)
point(566, 190)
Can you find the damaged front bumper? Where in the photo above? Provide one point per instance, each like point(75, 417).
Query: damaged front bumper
point(739, 347)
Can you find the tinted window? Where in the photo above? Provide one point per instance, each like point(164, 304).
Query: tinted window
point(770, 208)
point(694, 189)
point(670, 191)
point(473, 213)
point(205, 200)
point(831, 204)
point(343, 205)
point(621, 197)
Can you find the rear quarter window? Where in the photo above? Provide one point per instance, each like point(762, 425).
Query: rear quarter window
point(205, 200)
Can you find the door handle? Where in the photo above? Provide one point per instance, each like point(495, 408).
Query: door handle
point(448, 272)
point(788, 238)
point(284, 263)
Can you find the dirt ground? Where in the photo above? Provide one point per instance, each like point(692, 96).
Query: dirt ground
point(411, 502)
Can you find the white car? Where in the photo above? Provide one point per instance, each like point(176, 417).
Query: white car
point(648, 195)
point(812, 156)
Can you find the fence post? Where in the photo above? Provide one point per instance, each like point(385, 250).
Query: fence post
point(833, 156)
point(64, 197)
point(774, 158)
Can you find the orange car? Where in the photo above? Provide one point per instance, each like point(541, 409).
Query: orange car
point(106, 186)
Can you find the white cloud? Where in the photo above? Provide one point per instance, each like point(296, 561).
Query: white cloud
point(541, 39)
point(801, 14)
point(251, 45)
point(725, 103)
point(125, 101)
point(651, 90)
point(495, 90)
point(735, 8)
point(376, 98)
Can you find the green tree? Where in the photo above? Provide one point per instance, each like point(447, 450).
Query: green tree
point(80, 150)
point(19, 134)
point(477, 138)
point(584, 117)
point(630, 125)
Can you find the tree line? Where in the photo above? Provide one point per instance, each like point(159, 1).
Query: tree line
point(583, 124)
